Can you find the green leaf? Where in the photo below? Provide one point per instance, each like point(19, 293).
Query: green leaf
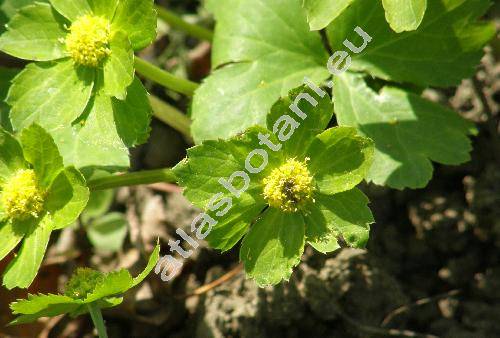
point(445, 48)
point(22, 270)
point(340, 159)
point(10, 7)
point(11, 234)
point(50, 94)
point(35, 33)
point(408, 131)
point(153, 259)
point(67, 198)
point(212, 160)
point(133, 116)
point(215, 160)
point(103, 8)
point(118, 67)
point(273, 246)
point(344, 214)
point(41, 152)
point(316, 121)
point(114, 283)
point(118, 282)
point(273, 50)
point(76, 8)
point(81, 148)
point(6, 76)
point(36, 303)
point(321, 12)
point(404, 15)
point(137, 18)
point(11, 155)
point(73, 9)
point(108, 232)
point(38, 306)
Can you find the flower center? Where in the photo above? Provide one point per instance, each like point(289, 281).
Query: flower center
point(289, 187)
point(82, 283)
point(22, 198)
point(88, 40)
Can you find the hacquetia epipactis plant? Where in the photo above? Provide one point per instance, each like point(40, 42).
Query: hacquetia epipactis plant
point(82, 95)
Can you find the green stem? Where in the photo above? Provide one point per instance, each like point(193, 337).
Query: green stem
point(97, 319)
point(164, 78)
point(176, 22)
point(171, 116)
point(130, 179)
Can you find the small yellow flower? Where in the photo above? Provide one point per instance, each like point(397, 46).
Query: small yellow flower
point(289, 187)
point(88, 40)
point(22, 197)
point(83, 282)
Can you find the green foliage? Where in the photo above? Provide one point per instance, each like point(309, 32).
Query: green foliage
point(85, 287)
point(107, 233)
point(268, 51)
point(337, 160)
point(256, 46)
point(60, 93)
point(445, 48)
point(408, 131)
point(402, 15)
point(64, 196)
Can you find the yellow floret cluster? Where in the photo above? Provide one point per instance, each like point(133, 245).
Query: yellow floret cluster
point(88, 40)
point(22, 197)
point(289, 187)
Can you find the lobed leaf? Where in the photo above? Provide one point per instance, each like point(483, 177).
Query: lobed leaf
point(137, 18)
point(340, 159)
point(404, 15)
point(67, 198)
point(11, 155)
point(35, 33)
point(318, 118)
point(50, 94)
point(344, 214)
point(22, 270)
point(118, 68)
point(445, 48)
point(273, 246)
point(273, 50)
point(42, 153)
point(408, 131)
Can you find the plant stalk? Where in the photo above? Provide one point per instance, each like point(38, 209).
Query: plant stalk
point(97, 319)
point(131, 179)
point(164, 78)
point(177, 22)
point(171, 116)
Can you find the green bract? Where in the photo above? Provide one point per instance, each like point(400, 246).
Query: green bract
point(85, 287)
point(262, 49)
point(305, 192)
point(38, 195)
point(83, 82)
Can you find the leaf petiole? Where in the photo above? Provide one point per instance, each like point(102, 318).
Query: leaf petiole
point(164, 78)
point(171, 116)
point(95, 313)
point(176, 22)
point(130, 179)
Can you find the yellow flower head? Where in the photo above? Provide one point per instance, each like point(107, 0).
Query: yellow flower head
point(88, 40)
point(83, 282)
point(22, 198)
point(289, 187)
